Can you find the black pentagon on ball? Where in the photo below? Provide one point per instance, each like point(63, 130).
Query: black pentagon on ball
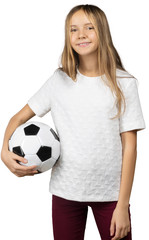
point(32, 129)
point(54, 134)
point(18, 150)
point(44, 153)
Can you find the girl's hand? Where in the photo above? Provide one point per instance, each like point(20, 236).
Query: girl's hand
point(10, 160)
point(120, 223)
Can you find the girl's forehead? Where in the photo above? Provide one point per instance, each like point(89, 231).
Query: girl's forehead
point(79, 18)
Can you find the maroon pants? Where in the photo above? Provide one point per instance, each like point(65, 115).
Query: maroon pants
point(69, 218)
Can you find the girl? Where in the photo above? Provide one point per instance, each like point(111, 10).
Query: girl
point(96, 109)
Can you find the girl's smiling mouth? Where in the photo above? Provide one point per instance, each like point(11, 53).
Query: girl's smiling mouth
point(83, 44)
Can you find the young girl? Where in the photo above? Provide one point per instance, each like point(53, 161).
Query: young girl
point(96, 110)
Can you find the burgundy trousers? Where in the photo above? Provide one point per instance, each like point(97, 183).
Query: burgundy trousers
point(69, 218)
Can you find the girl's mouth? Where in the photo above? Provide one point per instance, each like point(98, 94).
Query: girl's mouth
point(83, 44)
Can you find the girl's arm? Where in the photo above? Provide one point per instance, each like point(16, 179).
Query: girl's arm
point(9, 158)
point(19, 118)
point(129, 152)
point(120, 224)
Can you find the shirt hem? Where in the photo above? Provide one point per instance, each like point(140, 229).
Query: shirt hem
point(82, 199)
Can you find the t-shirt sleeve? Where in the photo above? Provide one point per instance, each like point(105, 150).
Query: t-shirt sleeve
point(40, 102)
point(132, 119)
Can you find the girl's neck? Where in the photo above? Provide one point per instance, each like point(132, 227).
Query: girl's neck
point(88, 65)
point(90, 72)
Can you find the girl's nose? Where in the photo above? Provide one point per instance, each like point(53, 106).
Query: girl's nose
point(81, 33)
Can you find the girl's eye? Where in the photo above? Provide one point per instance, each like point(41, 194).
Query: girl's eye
point(73, 30)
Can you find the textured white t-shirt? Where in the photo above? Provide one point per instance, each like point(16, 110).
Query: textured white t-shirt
point(89, 167)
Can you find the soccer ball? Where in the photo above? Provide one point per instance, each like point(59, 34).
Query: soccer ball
point(38, 143)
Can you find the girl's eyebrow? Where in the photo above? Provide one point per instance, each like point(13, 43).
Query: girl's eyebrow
point(84, 24)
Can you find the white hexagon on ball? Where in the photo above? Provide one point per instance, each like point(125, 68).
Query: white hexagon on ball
point(30, 145)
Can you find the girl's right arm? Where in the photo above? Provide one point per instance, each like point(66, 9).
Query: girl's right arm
point(9, 158)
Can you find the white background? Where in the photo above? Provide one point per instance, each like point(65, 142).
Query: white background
point(31, 42)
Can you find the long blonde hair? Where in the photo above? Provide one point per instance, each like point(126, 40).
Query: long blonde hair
point(108, 57)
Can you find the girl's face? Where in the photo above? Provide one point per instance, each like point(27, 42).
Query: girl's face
point(82, 31)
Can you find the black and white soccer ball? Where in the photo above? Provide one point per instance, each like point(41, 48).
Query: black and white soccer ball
point(38, 143)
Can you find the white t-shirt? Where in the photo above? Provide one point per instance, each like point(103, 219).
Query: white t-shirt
point(89, 167)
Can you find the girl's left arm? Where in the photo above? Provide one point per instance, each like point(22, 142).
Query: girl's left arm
point(120, 223)
point(129, 155)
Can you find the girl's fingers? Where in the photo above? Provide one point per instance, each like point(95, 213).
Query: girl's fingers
point(112, 228)
point(20, 174)
point(126, 232)
point(32, 173)
point(30, 167)
point(19, 158)
point(35, 172)
point(29, 175)
point(25, 169)
point(117, 234)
